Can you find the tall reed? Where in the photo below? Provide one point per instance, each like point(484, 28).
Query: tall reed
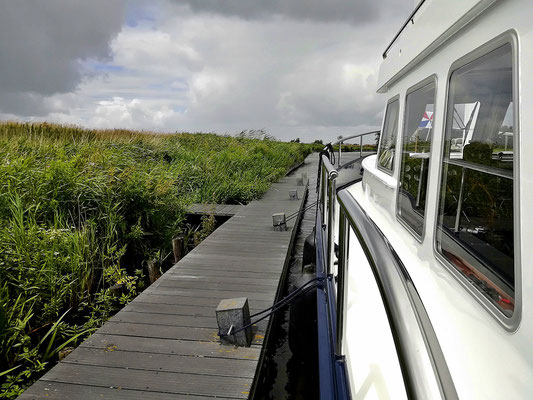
point(81, 210)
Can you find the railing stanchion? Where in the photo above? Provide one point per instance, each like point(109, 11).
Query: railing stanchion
point(332, 186)
point(341, 283)
point(345, 139)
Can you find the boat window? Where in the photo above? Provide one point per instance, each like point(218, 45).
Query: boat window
point(475, 228)
point(416, 145)
point(388, 137)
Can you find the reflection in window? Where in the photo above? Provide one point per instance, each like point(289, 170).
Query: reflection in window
point(388, 136)
point(475, 229)
point(416, 146)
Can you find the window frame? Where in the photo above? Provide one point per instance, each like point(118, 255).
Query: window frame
point(430, 79)
point(378, 166)
point(508, 323)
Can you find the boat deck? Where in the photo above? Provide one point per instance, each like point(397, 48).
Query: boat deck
point(351, 170)
point(164, 344)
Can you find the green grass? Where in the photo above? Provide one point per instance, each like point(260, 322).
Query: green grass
point(81, 210)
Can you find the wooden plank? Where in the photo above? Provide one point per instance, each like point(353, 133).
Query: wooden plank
point(163, 382)
point(215, 294)
point(215, 271)
point(225, 259)
point(68, 391)
point(223, 210)
point(199, 276)
point(170, 346)
point(190, 321)
point(244, 265)
point(249, 250)
point(163, 362)
point(167, 332)
point(225, 286)
point(176, 299)
point(173, 309)
point(155, 308)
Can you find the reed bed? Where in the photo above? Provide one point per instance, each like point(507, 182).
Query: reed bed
point(82, 210)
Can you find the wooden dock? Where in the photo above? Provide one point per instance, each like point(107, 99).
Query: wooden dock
point(164, 344)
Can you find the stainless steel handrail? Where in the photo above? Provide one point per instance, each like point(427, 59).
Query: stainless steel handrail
point(424, 368)
point(344, 139)
point(409, 19)
point(328, 191)
point(341, 282)
point(355, 136)
point(330, 168)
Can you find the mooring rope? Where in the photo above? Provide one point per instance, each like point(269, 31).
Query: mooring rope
point(277, 306)
point(295, 214)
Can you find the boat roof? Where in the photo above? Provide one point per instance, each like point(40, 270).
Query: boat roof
point(430, 25)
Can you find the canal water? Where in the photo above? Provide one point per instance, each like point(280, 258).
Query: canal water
point(285, 375)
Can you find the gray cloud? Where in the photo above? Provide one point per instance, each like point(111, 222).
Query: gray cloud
point(298, 68)
point(355, 11)
point(23, 104)
point(42, 45)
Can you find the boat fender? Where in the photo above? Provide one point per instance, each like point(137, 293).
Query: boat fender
point(309, 269)
point(309, 249)
point(302, 321)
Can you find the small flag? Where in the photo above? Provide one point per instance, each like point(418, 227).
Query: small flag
point(426, 120)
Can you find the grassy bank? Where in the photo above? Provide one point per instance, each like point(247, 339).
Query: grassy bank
point(82, 210)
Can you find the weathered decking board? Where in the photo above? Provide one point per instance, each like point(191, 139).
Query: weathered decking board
point(221, 210)
point(164, 344)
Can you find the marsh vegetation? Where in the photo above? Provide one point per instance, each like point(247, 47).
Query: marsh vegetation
point(84, 210)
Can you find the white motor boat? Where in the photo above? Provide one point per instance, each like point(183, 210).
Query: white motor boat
point(423, 260)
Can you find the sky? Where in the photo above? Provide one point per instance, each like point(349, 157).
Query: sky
point(295, 68)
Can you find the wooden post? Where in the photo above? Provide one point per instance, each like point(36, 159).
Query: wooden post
point(279, 222)
point(117, 289)
point(233, 314)
point(177, 247)
point(153, 270)
point(293, 194)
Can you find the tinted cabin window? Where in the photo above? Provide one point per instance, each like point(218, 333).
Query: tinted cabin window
point(388, 137)
point(475, 229)
point(416, 145)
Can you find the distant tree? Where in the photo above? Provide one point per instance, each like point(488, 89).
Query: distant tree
point(318, 142)
point(297, 140)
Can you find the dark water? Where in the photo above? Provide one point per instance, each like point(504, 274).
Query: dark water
point(283, 374)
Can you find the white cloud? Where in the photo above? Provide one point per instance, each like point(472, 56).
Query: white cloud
point(129, 114)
